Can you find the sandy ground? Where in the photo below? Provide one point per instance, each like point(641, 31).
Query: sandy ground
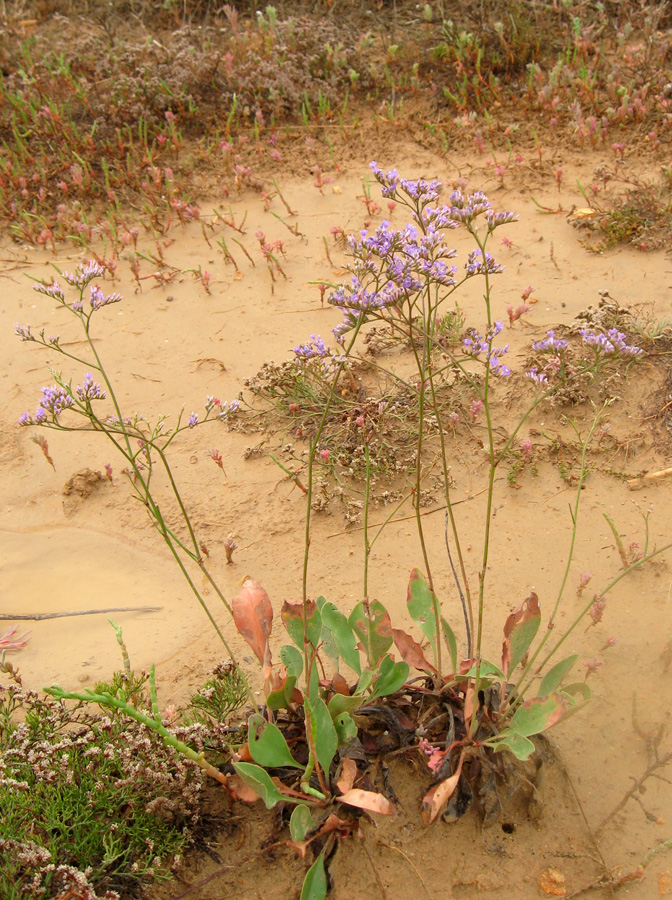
point(169, 346)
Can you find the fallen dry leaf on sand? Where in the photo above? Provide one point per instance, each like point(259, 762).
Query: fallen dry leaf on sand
point(552, 882)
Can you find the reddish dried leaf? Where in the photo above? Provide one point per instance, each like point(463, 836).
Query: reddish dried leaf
point(436, 798)
point(340, 685)
point(520, 630)
point(253, 617)
point(347, 776)
point(368, 800)
point(411, 651)
point(240, 791)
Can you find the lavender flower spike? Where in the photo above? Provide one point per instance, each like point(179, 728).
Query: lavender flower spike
point(551, 344)
point(90, 389)
point(83, 274)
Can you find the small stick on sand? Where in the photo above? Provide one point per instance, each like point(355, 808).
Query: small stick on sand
point(83, 612)
point(636, 483)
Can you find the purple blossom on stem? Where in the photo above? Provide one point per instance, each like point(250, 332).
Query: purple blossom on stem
point(23, 332)
point(466, 209)
point(611, 343)
point(551, 344)
point(98, 298)
point(312, 348)
point(83, 274)
point(539, 378)
point(89, 389)
point(476, 264)
point(389, 180)
point(54, 400)
point(193, 420)
point(228, 410)
point(51, 290)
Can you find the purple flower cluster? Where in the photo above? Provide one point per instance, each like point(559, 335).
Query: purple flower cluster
point(98, 298)
point(53, 402)
point(312, 348)
point(477, 264)
point(611, 343)
point(475, 345)
point(551, 344)
point(51, 290)
point(389, 180)
point(232, 408)
point(466, 209)
point(89, 389)
point(421, 191)
point(23, 332)
point(83, 274)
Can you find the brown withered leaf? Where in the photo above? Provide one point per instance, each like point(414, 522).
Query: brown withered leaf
point(411, 651)
point(368, 800)
point(348, 774)
point(253, 617)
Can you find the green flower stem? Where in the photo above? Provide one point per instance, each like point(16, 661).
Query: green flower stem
point(107, 700)
point(612, 584)
point(367, 545)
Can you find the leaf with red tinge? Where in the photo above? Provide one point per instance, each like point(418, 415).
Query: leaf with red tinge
point(293, 615)
point(539, 714)
point(347, 776)
point(437, 797)
point(371, 623)
point(411, 651)
point(520, 629)
point(368, 800)
point(422, 605)
point(253, 617)
point(240, 791)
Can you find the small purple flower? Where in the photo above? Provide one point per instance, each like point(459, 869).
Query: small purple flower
point(312, 348)
point(83, 274)
point(51, 290)
point(551, 344)
point(389, 180)
point(23, 332)
point(90, 389)
point(193, 420)
point(476, 264)
point(98, 298)
point(539, 378)
point(54, 400)
point(614, 342)
point(494, 219)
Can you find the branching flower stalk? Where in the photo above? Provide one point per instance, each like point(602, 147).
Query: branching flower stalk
point(120, 430)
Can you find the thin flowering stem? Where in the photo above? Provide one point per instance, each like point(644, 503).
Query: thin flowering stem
point(528, 670)
point(367, 545)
